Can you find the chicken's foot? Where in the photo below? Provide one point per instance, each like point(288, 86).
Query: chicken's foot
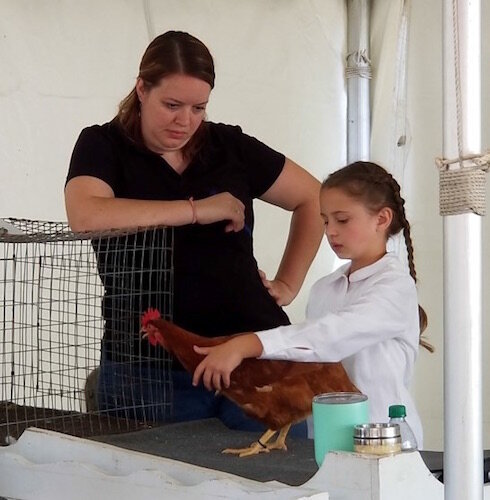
point(262, 445)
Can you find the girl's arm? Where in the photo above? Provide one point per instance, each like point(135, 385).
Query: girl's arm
point(297, 191)
point(91, 206)
point(388, 310)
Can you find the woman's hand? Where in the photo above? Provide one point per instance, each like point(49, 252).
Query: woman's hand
point(222, 206)
point(220, 361)
point(279, 290)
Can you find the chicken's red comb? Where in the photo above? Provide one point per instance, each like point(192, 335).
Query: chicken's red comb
point(149, 315)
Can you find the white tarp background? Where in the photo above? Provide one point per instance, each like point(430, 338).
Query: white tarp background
point(66, 64)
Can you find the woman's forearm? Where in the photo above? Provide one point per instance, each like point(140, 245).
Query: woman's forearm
point(110, 213)
point(305, 234)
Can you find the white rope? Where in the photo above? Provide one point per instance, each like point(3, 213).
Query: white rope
point(457, 79)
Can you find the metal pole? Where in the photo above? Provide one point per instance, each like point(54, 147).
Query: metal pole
point(358, 73)
point(463, 445)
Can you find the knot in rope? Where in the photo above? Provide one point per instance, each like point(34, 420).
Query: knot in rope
point(358, 64)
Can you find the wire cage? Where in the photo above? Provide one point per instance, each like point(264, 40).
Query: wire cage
point(71, 356)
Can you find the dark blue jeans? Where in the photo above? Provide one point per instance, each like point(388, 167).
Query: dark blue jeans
point(143, 392)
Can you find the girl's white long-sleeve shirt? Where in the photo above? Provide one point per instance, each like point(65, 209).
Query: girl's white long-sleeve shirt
point(369, 321)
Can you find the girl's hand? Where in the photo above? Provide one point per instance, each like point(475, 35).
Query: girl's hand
point(222, 206)
point(278, 289)
point(215, 369)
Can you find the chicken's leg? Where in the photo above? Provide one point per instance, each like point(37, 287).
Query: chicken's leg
point(280, 442)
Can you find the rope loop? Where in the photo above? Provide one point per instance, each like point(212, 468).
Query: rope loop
point(462, 190)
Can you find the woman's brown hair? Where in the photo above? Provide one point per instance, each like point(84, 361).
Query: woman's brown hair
point(173, 52)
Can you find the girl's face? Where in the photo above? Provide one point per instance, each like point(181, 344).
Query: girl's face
point(172, 111)
point(352, 231)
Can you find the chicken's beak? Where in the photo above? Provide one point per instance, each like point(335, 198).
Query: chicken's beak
point(143, 333)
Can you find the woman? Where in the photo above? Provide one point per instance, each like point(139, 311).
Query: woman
point(159, 162)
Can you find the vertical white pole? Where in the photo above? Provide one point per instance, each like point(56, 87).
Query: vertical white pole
point(463, 446)
point(358, 110)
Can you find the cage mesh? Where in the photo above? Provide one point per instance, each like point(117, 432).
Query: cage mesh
point(60, 293)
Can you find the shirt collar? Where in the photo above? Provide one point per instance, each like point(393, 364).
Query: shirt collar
point(364, 272)
point(375, 267)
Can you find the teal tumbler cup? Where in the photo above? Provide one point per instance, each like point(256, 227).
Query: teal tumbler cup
point(334, 416)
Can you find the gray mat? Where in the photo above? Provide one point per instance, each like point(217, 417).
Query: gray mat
point(201, 443)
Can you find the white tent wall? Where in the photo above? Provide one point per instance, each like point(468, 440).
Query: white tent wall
point(414, 112)
point(66, 65)
point(421, 184)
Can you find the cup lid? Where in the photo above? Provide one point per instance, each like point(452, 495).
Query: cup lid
point(339, 397)
point(376, 431)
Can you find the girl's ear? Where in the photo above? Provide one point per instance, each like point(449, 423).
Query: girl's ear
point(385, 216)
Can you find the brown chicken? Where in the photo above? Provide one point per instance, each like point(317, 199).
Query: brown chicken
point(276, 393)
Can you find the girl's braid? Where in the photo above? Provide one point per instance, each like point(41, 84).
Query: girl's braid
point(405, 225)
point(399, 209)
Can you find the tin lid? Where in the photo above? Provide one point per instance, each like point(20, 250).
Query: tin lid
point(340, 398)
point(376, 431)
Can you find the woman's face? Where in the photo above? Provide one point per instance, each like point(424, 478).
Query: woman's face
point(172, 111)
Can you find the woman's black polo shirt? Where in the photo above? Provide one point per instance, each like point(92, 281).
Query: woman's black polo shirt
point(217, 289)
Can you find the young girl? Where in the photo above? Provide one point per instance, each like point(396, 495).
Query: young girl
point(365, 314)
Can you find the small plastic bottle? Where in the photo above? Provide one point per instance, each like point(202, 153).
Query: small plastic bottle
point(397, 414)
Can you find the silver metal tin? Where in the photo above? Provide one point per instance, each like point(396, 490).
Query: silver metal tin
point(378, 442)
point(340, 398)
point(376, 431)
point(377, 439)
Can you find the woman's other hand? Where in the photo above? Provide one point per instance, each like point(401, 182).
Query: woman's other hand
point(280, 291)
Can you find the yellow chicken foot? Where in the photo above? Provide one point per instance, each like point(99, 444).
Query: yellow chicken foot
point(259, 446)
